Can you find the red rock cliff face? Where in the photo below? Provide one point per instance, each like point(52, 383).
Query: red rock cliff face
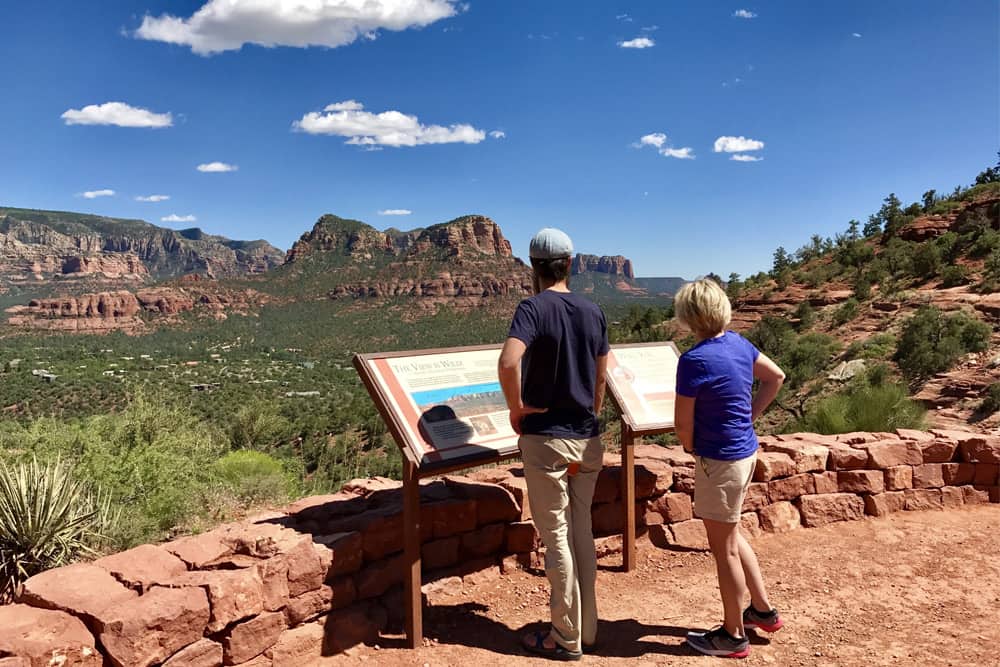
point(614, 265)
point(473, 234)
point(123, 310)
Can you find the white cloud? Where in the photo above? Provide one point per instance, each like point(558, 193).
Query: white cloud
point(116, 113)
point(498, 134)
point(650, 28)
point(736, 145)
point(94, 194)
point(389, 128)
point(855, 34)
point(173, 217)
point(679, 153)
point(216, 167)
point(740, 157)
point(153, 198)
point(395, 211)
point(658, 140)
point(637, 43)
point(744, 14)
point(624, 18)
point(226, 25)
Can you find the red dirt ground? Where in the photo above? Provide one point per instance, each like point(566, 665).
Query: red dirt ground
point(919, 589)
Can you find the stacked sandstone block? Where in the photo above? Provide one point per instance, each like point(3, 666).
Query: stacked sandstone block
point(325, 574)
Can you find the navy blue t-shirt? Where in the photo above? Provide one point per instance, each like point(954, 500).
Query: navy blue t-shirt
point(718, 374)
point(564, 333)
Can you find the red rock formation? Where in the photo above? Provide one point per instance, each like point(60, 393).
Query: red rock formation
point(615, 265)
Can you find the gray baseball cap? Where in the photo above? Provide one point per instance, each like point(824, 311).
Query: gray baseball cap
point(550, 243)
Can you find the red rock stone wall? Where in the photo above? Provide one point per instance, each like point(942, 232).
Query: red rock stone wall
point(326, 573)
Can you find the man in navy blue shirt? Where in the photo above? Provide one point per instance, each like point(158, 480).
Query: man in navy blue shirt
point(552, 373)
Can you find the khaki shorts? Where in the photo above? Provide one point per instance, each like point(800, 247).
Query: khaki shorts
point(720, 486)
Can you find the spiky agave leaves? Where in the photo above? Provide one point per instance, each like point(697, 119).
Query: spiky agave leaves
point(47, 519)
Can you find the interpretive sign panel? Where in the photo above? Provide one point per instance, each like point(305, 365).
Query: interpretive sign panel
point(445, 407)
point(642, 378)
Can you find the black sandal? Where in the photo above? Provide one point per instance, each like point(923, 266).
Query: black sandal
point(557, 652)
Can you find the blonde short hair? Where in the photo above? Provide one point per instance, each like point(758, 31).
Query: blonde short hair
point(703, 307)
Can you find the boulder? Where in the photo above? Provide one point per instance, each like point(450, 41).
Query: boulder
point(494, 504)
point(845, 457)
point(673, 507)
point(81, 589)
point(928, 476)
point(349, 627)
point(779, 517)
point(958, 474)
point(346, 555)
point(483, 541)
point(233, 595)
point(663, 477)
point(450, 518)
point(273, 573)
point(825, 482)
point(938, 451)
point(199, 550)
point(773, 465)
point(899, 478)
point(974, 496)
point(143, 566)
point(440, 553)
point(44, 637)
point(808, 456)
point(882, 504)
point(249, 639)
point(376, 578)
point(980, 449)
point(923, 499)
point(886, 454)
point(520, 537)
point(299, 646)
point(148, 629)
point(952, 497)
point(309, 606)
point(792, 487)
point(750, 524)
point(986, 474)
point(756, 497)
point(689, 535)
point(202, 653)
point(519, 489)
point(821, 509)
point(860, 481)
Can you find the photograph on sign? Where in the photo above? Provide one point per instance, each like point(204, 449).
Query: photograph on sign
point(449, 405)
point(642, 379)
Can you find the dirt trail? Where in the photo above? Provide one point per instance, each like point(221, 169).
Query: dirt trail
point(919, 588)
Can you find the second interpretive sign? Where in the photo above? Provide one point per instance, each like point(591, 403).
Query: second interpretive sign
point(642, 378)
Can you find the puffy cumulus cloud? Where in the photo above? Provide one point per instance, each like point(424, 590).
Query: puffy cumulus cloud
point(389, 128)
point(855, 34)
point(658, 140)
point(116, 113)
point(395, 211)
point(498, 134)
point(216, 167)
point(637, 43)
point(94, 194)
point(744, 14)
point(736, 145)
point(152, 198)
point(226, 25)
point(740, 157)
point(173, 217)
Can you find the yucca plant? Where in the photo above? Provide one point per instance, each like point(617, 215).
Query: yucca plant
point(47, 519)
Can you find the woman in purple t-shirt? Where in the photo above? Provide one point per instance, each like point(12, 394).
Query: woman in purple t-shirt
point(714, 416)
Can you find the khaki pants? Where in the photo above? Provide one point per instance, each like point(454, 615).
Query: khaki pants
point(560, 507)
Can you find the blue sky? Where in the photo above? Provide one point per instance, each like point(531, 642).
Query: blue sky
point(851, 100)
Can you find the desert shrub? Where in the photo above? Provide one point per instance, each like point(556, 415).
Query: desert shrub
point(770, 335)
point(950, 246)
point(991, 400)
point(898, 257)
point(258, 425)
point(48, 518)
point(932, 342)
point(862, 287)
point(254, 477)
point(846, 312)
point(877, 406)
point(805, 314)
point(879, 346)
point(954, 275)
point(986, 243)
point(806, 356)
point(926, 261)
